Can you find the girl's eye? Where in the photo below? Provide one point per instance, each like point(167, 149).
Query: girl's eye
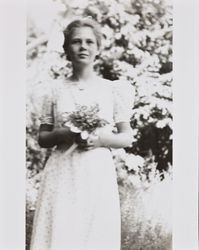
point(75, 41)
point(90, 41)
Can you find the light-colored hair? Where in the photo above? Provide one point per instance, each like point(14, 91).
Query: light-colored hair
point(79, 23)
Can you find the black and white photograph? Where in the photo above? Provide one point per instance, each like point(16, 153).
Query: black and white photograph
point(99, 129)
point(99, 125)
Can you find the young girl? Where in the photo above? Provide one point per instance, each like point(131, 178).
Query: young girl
point(78, 203)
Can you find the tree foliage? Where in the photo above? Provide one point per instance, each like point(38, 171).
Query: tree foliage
point(137, 46)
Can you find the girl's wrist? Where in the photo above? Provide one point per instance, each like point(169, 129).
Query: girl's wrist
point(102, 142)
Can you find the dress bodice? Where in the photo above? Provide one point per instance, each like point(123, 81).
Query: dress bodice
point(113, 98)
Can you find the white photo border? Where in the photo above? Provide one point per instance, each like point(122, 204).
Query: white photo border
point(12, 125)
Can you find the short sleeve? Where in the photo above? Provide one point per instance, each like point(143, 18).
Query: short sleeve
point(47, 110)
point(123, 100)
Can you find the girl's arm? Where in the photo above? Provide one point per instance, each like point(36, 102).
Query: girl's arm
point(123, 138)
point(49, 136)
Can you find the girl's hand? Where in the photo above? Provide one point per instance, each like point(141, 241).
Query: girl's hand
point(82, 144)
point(90, 143)
point(93, 141)
point(101, 140)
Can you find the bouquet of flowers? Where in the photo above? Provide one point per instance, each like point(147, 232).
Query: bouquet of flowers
point(84, 120)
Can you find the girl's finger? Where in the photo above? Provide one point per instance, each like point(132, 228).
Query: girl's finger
point(90, 142)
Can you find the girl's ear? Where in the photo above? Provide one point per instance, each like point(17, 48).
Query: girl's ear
point(97, 54)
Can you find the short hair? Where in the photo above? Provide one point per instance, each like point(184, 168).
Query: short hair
point(79, 23)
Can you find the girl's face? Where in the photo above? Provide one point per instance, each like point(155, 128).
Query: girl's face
point(82, 49)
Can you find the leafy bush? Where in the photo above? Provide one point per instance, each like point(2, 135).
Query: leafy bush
point(145, 202)
point(137, 46)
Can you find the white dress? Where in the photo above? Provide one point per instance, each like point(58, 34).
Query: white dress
point(78, 202)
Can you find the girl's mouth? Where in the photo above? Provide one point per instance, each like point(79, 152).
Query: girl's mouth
point(83, 55)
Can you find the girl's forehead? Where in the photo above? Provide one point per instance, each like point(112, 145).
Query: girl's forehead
point(83, 32)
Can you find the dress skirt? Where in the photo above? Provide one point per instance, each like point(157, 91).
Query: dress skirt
point(78, 203)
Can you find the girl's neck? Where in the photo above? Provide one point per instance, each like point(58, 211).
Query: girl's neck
point(83, 74)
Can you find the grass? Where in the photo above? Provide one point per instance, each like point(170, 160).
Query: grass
point(146, 217)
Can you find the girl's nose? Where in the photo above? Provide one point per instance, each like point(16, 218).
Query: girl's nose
point(83, 45)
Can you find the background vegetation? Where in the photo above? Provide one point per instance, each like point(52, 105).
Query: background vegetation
point(137, 46)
